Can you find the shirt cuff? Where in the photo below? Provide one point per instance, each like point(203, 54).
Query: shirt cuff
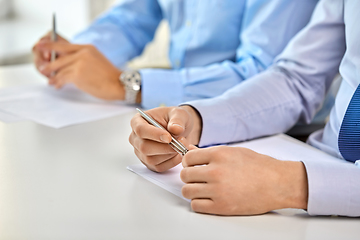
point(214, 130)
point(334, 188)
point(161, 87)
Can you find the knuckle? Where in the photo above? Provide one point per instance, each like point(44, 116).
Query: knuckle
point(214, 173)
point(216, 152)
point(138, 130)
point(90, 47)
point(131, 138)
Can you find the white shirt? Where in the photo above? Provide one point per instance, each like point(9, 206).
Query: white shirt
point(293, 90)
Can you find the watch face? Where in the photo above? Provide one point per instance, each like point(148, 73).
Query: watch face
point(136, 87)
point(134, 81)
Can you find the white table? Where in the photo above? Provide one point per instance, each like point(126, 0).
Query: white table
point(72, 183)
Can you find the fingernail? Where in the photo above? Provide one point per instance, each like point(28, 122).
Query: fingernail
point(165, 138)
point(42, 67)
point(175, 124)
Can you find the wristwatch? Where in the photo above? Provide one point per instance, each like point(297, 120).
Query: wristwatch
point(132, 84)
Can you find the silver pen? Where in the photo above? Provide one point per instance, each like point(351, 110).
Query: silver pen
point(175, 144)
point(53, 37)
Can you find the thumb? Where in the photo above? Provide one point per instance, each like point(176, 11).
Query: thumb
point(178, 120)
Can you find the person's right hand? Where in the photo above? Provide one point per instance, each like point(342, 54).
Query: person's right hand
point(42, 57)
point(151, 144)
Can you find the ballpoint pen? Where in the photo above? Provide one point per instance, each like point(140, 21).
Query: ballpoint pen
point(175, 144)
point(53, 37)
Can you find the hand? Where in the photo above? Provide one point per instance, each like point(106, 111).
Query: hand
point(151, 144)
point(84, 66)
point(41, 56)
point(239, 181)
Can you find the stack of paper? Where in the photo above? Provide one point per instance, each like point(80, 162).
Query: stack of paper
point(55, 108)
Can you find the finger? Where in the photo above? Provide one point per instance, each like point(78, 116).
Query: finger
point(178, 120)
point(197, 157)
point(51, 81)
point(40, 58)
point(59, 84)
point(145, 130)
point(139, 155)
point(61, 78)
point(158, 159)
point(58, 64)
point(162, 167)
point(149, 157)
point(46, 55)
point(47, 36)
point(151, 148)
point(203, 206)
point(196, 191)
point(198, 174)
point(61, 47)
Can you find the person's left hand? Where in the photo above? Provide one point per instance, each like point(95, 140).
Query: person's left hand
point(238, 181)
point(84, 66)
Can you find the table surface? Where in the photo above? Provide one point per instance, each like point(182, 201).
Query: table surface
point(72, 183)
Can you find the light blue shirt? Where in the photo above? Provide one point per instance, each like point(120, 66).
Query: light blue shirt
point(214, 45)
point(293, 90)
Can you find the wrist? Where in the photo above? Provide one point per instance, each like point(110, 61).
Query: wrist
point(138, 97)
point(119, 89)
point(114, 88)
point(294, 193)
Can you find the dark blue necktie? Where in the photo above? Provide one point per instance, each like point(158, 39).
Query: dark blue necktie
point(349, 135)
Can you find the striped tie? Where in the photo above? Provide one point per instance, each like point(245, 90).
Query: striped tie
point(349, 135)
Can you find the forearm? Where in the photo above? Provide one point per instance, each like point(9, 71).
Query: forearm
point(265, 105)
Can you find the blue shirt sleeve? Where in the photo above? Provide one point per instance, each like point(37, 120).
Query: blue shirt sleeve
point(122, 32)
point(267, 27)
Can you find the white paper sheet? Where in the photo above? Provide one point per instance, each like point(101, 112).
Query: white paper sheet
point(57, 108)
point(9, 118)
point(169, 180)
point(281, 147)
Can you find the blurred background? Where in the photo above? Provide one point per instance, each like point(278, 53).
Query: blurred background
point(23, 22)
